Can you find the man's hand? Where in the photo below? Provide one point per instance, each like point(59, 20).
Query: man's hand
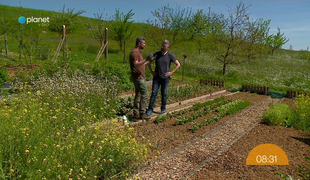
point(153, 73)
point(168, 74)
point(149, 57)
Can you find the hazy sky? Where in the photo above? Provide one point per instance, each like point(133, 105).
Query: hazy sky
point(291, 16)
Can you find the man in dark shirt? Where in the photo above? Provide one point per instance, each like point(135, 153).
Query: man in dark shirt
point(137, 66)
point(162, 75)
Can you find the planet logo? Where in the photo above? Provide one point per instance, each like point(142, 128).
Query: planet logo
point(22, 20)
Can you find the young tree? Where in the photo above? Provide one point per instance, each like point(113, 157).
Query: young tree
point(17, 30)
point(169, 24)
point(97, 30)
point(3, 31)
point(122, 26)
point(226, 38)
point(255, 34)
point(198, 26)
point(69, 18)
point(276, 41)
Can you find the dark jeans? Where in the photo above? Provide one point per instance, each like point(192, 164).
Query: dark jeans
point(163, 83)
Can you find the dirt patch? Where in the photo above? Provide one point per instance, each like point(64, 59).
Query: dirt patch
point(232, 163)
point(13, 70)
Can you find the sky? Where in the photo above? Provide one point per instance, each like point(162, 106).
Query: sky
point(291, 16)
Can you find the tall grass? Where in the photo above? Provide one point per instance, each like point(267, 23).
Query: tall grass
point(282, 71)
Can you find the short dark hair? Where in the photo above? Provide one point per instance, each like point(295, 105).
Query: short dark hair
point(139, 39)
point(166, 42)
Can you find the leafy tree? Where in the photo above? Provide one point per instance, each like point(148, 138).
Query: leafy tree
point(276, 41)
point(122, 26)
point(255, 35)
point(97, 30)
point(69, 18)
point(226, 35)
point(198, 26)
point(169, 24)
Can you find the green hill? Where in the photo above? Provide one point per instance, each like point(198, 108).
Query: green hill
point(284, 70)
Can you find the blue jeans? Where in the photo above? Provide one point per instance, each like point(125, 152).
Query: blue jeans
point(163, 83)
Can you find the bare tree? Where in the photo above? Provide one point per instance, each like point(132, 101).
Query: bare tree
point(226, 35)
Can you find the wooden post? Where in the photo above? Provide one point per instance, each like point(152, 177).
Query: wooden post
point(125, 43)
point(59, 47)
point(105, 41)
point(31, 47)
point(183, 66)
point(64, 42)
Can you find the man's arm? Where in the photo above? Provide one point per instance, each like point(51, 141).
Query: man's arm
point(175, 69)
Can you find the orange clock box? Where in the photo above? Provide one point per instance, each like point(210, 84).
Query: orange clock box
point(267, 154)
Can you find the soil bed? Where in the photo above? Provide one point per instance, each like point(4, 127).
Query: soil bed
point(232, 163)
point(166, 137)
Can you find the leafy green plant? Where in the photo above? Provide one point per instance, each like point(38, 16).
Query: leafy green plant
point(124, 105)
point(195, 126)
point(161, 118)
point(192, 117)
point(238, 107)
point(280, 114)
point(197, 106)
point(229, 105)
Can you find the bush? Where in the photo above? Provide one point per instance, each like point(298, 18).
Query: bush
point(122, 73)
point(3, 77)
point(280, 114)
point(303, 112)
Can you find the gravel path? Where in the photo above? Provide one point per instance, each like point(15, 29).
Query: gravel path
point(184, 161)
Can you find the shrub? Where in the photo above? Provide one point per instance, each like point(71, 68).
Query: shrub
point(303, 112)
point(280, 114)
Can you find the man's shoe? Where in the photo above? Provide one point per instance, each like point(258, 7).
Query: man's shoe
point(136, 116)
point(163, 111)
point(149, 112)
point(145, 117)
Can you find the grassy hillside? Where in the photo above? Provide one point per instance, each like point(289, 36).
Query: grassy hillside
point(284, 70)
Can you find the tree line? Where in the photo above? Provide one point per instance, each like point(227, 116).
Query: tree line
point(233, 39)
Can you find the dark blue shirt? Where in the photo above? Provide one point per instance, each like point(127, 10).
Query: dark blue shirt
point(162, 63)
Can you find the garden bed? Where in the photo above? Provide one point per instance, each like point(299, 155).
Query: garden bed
point(167, 137)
